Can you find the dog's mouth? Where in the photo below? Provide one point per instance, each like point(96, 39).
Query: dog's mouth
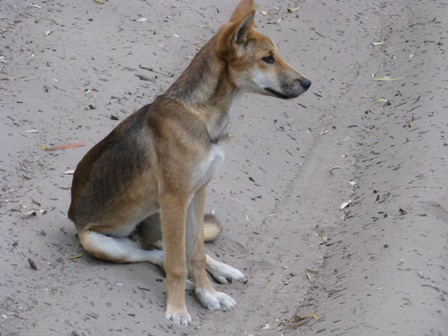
point(278, 94)
point(291, 90)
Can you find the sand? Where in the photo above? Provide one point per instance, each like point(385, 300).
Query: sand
point(333, 204)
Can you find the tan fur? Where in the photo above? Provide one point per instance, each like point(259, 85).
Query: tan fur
point(148, 178)
point(212, 227)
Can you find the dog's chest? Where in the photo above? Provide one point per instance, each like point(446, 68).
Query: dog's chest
point(208, 166)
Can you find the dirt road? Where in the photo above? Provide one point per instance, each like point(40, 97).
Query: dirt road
point(334, 204)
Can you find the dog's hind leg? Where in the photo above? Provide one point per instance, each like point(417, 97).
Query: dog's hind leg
point(222, 272)
point(149, 234)
point(117, 250)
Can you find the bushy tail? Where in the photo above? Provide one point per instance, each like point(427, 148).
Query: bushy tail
point(150, 235)
point(212, 227)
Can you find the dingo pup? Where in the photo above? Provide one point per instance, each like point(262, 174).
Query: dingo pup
point(149, 176)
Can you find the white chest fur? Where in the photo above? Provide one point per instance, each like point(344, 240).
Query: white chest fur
point(209, 166)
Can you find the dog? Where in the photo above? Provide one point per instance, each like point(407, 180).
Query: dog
point(148, 178)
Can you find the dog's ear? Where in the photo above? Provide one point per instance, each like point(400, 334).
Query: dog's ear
point(234, 35)
point(244, 28)
point(243, 8)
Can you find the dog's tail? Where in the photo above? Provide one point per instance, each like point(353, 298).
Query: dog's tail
point(150, 234)
point(212, 227)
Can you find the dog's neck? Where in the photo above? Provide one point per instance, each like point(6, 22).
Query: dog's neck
point(207, 90)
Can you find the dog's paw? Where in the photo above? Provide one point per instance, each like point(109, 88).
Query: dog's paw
point(178, 317)
point(224, 273)
point(216, 300)
point(226, 301)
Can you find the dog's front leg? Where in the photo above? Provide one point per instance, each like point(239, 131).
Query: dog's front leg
point(196, 257)
point(173, 218)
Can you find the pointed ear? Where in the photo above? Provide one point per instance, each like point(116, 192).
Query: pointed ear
point(244, 7)
point(234, 34)
point(244, 28)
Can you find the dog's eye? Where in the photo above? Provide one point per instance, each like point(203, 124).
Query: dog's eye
point(269, 59)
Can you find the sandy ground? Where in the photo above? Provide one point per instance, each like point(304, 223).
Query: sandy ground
point(71, 71)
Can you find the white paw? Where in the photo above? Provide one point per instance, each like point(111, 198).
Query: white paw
point(226, 301)
point(224, 273)
point(181, 317)
point(215, 301)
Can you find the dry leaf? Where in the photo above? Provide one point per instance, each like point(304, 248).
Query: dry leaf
point(72, 145)
point(35, 6)
point(266, 327)
point(297, 320)
point(31, 213)
point(382, 100)
point(32, 264)
point(313, 315)
point(311, 274)
point(344, 205)
point(201, 25)
point(386, 78)
point(333, 168)
point(323, 234)
point(342, 139)
point(75, 256)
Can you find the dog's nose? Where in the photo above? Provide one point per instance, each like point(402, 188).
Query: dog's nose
point(306, 83)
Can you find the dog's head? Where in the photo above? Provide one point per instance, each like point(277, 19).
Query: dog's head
point(253, 60)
